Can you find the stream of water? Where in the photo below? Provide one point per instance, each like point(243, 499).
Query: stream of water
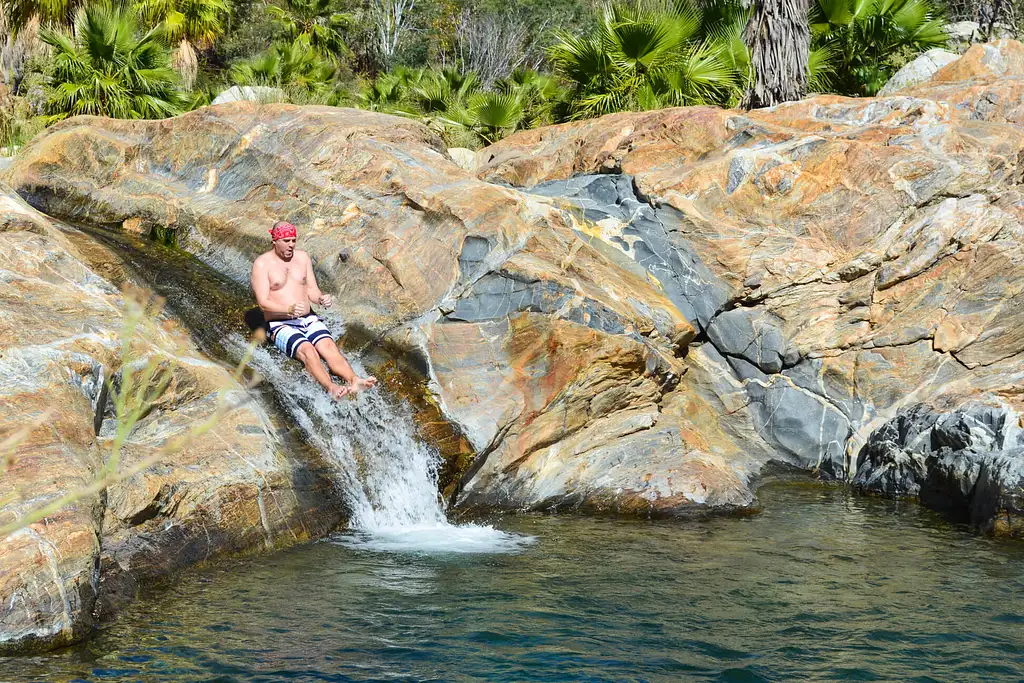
point(822, 585)
point(388, 477)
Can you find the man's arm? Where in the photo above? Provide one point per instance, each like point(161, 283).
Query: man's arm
point(313, 292)
point(260, 283)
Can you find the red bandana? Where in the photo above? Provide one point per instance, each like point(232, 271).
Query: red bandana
point(282, 231)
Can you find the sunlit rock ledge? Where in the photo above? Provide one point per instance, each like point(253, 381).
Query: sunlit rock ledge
point(238, 487)
point(635, 313)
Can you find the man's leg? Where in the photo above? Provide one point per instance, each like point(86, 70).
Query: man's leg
point(309, 356)
point(328, 350)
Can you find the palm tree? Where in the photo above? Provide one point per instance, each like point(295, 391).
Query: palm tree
point(51, 13)
point(493, 115)
point(779, 40)
point(867, 37)
point(106, 67)
point(642, 57)
point(296, 66)
point(539, 94)
point(383, 93)
point(314, 19)
point(189, 23)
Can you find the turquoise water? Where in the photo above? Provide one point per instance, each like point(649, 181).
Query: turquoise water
point(820, 586)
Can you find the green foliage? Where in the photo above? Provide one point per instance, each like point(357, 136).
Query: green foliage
point(454, 105)
point(315, 20)
point(492, 115)
point(107, 67)
point(296, 67)
point(642, 57)
point(200, 22)
point(455, 56)
point(867, 39)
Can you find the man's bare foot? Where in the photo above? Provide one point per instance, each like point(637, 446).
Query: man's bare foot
point(362, 383)
point(339, 392)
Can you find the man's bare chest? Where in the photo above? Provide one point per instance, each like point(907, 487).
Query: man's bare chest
point(282, 275)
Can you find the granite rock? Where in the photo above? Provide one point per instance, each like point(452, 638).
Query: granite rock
point(967, 464)
point(526, 329)
point(237, 487)
point(738, 288)
point(847, 258)
point(918, 70)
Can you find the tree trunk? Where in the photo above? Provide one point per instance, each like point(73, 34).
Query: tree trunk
point(779, 40)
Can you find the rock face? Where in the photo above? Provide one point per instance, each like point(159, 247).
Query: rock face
point(637, 312)
point(918, 71)
point(535, 338)
point(968, 464)
point(841, 259)
point(239, 486)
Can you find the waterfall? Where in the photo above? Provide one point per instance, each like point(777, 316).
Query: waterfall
point(387, 475)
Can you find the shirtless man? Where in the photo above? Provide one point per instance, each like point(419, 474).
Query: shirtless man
point(284, 284)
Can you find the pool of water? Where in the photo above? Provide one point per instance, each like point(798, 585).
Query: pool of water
point(821, 586)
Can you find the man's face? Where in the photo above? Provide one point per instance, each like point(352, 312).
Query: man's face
point(285, 247)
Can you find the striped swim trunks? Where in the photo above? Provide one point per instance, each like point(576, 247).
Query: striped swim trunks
point(289, 335)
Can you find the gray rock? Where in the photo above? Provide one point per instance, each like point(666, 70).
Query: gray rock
point(464, 158)
point(998, 502)
point(250, 93)
point(892, 462)
point(918, 71)
point(812, 376)
point(656, 240)
point(967, 464)
point(755, 336)
point(498, 295)
point(950, 478)
point(805, 426)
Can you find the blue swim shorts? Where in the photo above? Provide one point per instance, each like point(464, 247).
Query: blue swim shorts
point(289, 335)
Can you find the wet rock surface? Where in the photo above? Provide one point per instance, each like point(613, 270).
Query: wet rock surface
point(237, 487)
point(967, 464)
point(638, 312)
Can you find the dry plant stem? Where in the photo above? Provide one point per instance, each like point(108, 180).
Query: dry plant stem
point(137, 393)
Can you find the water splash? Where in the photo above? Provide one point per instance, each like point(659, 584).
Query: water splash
point(387, 475)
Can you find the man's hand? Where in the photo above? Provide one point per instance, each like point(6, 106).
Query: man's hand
point(298, 309)
point(326, 300)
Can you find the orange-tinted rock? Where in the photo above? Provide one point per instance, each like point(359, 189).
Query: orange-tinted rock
point(984, 61)
point(234, 488)
point(485, 284)
point(859, 255)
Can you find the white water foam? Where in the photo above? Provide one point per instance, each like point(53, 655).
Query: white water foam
point(387, 475)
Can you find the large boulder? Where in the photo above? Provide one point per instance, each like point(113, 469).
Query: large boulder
point(843, 259)
point(235, 487)
point(533, 338)
point(967, 463)
point(918, 70)
point(984, 61)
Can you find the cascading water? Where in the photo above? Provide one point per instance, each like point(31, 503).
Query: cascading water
point(387, 475)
